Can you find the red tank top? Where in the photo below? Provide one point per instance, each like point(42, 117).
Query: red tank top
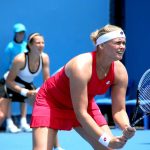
point(97, 86)
point(58, 90)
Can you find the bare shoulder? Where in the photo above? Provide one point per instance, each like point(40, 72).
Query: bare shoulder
point(45, 57)
point(120, 71)
point(119, 67)
point(19, 61)
point(80, 65)
point(20, 58)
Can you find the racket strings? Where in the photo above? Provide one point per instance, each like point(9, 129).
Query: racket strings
point(144, 93)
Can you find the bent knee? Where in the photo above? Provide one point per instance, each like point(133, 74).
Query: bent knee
point(2, 116)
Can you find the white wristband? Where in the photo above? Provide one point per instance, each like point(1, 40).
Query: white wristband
point(37, 89)
point(24, 92)
point(104, 140)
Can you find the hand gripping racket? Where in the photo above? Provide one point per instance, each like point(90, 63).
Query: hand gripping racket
point(143, 98)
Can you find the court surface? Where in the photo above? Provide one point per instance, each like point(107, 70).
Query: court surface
point(70, 140)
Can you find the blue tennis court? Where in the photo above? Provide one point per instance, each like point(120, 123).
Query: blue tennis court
point(70, 140)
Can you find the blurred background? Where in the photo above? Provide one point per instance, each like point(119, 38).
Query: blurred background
point(67, 24)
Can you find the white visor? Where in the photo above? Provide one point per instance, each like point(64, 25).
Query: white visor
point(109, 36)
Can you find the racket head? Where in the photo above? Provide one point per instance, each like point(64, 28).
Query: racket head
point(143, 92)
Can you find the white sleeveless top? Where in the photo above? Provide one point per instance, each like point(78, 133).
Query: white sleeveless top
point(25, 74)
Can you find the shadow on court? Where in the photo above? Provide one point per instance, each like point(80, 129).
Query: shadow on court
point(70, 140)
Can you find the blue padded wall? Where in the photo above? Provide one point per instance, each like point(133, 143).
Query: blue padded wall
point(65, 24)
point(137, 57)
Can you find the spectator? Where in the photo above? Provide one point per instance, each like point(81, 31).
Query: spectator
point(18, 45)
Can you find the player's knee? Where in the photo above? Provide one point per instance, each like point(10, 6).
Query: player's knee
point(2, 115)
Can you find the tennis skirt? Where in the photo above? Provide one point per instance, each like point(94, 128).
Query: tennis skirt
point(47, 114)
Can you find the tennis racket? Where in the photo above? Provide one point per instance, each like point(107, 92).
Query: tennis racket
point(143, 98)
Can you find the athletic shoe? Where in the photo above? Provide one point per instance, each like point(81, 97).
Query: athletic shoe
point(12, 129)
point(25, 128)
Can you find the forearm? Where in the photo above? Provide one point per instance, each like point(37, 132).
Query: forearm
point(21, 90)
point(121, 119)
point(89, 125)
point(13, 86)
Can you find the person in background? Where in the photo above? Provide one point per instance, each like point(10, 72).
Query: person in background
point(25, 67)
point(16, 46)
point(66, 100)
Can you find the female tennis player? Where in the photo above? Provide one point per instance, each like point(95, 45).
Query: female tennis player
point(66, 100)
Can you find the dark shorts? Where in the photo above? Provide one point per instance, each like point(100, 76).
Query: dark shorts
point(2, 88)
point(14, 96)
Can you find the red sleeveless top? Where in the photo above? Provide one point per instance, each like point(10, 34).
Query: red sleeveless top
point(53, 105)
point(58, 88)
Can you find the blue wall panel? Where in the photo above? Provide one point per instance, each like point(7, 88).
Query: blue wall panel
point(65, 24)
point(137, 58)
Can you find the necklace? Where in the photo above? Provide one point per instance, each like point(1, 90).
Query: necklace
point(105, 71)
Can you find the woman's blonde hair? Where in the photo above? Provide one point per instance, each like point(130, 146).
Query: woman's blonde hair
point(31, 39)
point(106, 29)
